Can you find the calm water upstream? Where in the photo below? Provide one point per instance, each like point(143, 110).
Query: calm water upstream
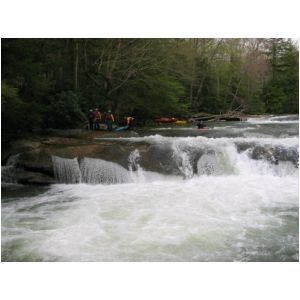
point(229, 193)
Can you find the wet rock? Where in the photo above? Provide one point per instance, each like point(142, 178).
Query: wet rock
point(27, 177)
point(36, 160)
point(19, 146)
point(275, 154)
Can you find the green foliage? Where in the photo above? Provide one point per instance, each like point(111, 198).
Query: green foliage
point(8, 93)
point(54, 82)
point(151, 98)
point(63, 111)
point(11, 107)
point(281, 91)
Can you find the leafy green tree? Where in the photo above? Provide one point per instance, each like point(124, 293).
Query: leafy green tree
point(54, 82)
point(281, 90)
point(63, 111)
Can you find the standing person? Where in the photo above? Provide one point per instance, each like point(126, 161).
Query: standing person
point(91, 118)
point(109, 119)
point(97, 119)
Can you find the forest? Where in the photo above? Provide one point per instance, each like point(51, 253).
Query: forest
point(52, 83)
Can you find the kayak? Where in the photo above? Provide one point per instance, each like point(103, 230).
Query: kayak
point(180, 122)
point(165, 120)
point(121, 128)
point(205, 128)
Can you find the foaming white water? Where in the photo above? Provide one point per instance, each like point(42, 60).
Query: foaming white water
point(238, 202)
point(220, 156)
point(136, 171)
point(159, 139)
point(8, 172)
point(95, 171)
point(66, 170)
point(230, 162)
point(182, 160)
point(232, 128)
point(246, 166)
point(275, 120)
point(219, 163)
point(208, 218)
point(236, 208)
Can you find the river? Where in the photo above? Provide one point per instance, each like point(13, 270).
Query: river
point(229, 193)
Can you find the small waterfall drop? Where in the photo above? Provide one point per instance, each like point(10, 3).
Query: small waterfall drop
point(95, 171)
point(208, 165)
point(66, 170)
point(185, 166)
point(8, 172)
point(135, 169)
point(133, 160)
point(222, 161)
point(183, 161)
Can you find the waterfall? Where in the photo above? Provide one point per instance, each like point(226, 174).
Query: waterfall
point(135, 169)
point(183, 161)
point(66, 170)
point(90, 170)
point(8, 172)
point(184, 165)
point(208, 165)
point(101, 171)
point(186, 157)
point(133, 160)
point(218, 162)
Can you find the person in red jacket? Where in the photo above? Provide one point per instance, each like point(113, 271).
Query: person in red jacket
point(109, 119)
point(97, 119)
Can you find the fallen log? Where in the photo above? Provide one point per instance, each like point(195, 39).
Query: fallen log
point(228, 116)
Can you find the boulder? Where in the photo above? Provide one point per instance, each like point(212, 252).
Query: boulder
point(19, 146)
point(35, 155)
point(27, 177)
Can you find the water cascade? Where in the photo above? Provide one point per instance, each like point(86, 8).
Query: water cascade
point(226, 194)
point(9, 171)
point(187, 158)
point(66, 170)
point(136, 171)
point(95, 171)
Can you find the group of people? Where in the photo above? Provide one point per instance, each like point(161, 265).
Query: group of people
point(95, 119)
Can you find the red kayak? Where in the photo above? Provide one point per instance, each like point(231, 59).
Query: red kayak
point(165, 120)
point(205, 128)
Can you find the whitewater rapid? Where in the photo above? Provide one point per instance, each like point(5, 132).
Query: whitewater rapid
point(224, 199)
point(217, 218)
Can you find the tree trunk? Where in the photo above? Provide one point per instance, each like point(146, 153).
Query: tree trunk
point(60, 69)
point(191, 94)
point(76, 65)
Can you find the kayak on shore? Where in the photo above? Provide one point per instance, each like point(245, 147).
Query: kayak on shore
point(121, 128)
point(180, 122)
point(165, 120)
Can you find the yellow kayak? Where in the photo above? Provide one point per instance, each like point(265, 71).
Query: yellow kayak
point(180, 122)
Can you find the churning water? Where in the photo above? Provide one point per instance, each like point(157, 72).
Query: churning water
point(229, 194)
